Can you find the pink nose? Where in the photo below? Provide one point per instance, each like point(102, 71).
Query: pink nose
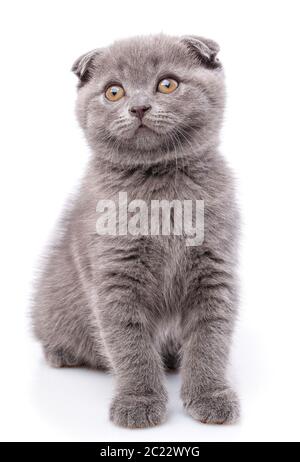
point(139, 111)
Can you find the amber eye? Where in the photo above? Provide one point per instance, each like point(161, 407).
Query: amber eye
point(114, 92)
point(167, 85)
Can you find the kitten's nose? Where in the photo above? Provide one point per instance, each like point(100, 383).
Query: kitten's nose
point(139, 111)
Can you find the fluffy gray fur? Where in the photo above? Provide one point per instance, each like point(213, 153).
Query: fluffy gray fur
point(135, 305)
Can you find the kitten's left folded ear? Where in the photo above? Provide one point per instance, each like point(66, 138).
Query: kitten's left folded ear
point(205, 50)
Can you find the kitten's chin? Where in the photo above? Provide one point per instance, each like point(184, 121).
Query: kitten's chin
point(144, 139)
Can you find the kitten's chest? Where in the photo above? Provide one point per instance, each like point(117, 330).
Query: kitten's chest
point(177, 186)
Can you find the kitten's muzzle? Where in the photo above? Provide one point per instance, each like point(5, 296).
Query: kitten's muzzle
point(139, 111)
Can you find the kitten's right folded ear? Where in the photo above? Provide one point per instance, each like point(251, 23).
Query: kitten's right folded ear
point(84, 66)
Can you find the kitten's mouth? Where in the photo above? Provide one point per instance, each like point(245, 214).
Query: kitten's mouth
point(142, 127)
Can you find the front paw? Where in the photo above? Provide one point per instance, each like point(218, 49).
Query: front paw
point(134, 411)
point(219, 407)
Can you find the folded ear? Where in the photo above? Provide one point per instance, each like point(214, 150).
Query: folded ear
point(84, 66)
point(205, 50)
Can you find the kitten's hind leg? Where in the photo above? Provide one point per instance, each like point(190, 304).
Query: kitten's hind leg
point(64, 357)
point(63, 321)
point(60, 357)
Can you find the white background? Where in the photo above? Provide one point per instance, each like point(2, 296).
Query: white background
point(43, 154)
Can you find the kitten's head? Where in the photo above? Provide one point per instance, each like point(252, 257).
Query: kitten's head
point(149, 97)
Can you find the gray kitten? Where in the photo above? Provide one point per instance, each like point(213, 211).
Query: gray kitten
point(151, 109)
